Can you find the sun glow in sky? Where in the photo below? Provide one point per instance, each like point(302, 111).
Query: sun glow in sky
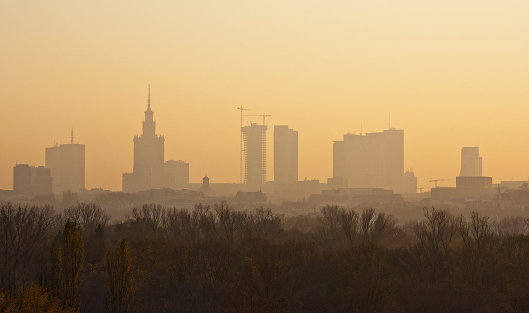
point(452, 73)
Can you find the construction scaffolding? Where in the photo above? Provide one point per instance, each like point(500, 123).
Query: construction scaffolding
point(254, 150)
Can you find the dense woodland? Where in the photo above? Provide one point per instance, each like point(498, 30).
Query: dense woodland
point(215, 259)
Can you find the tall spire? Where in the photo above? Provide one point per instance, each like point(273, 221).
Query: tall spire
point(71, 136)
point(149, 97)
point(149, 125)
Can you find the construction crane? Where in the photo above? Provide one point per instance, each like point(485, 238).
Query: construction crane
point(263, 115)
point(438, 180)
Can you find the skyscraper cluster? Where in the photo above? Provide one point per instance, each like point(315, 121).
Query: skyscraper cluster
point(285, 154)
point(370, 160)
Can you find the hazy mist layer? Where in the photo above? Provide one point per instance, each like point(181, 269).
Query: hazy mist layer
point(451, 73)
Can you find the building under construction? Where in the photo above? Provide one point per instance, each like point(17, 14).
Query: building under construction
point(254, 141)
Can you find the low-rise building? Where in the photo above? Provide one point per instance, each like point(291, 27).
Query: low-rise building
point(32, 180)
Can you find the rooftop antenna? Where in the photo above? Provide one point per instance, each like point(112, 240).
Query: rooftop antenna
point(389, 121)
point(361, 127)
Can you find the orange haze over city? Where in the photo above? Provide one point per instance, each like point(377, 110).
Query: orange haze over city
point(450, 73)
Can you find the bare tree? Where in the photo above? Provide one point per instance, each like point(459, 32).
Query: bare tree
point(24, 235)
point(121, 289)
point(68, 263)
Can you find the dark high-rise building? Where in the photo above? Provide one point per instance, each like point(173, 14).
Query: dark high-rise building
point(148, 168)
point(67, 166)
point(285, 155)
point(370, 160)
point(32, 180)
point(254, 137)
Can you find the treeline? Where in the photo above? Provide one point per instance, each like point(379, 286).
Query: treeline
point(215, 259)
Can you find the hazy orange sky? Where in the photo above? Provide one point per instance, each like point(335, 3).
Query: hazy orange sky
point(452, 73)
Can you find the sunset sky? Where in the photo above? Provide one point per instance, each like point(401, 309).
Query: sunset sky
point(452, 73)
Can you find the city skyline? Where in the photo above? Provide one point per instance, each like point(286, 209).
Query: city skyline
point(451, 74)
point(149, 126)
point(308, 156)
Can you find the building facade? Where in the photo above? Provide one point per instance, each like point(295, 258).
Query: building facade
point(254, 138)
point(32, 180)
point(67, 166)
point(176, 174)
point(471, 162)
point(285, 155)
point(409, 183)
point(371, 160)
point(473, 182)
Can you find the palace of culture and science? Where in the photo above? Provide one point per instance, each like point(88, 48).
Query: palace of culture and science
point(149, 169)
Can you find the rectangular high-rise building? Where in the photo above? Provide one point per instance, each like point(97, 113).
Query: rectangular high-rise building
point(370, 160)
point(471, 162)
point(67, 166)
point(254, 137)
point(285, 155)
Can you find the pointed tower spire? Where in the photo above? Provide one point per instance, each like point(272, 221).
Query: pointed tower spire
point(149, 97)
point(71, 136)
point(149, 125)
